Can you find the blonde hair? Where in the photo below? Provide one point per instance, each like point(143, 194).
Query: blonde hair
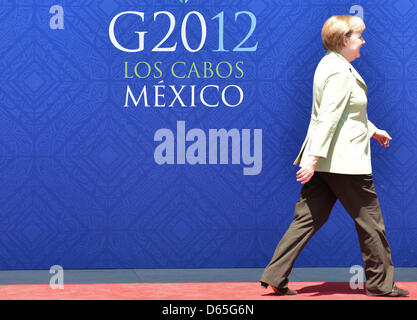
point(337, 27)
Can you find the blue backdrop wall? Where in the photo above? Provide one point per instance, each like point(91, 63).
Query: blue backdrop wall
point(81, 181)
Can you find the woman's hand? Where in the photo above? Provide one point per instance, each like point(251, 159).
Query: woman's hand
point(382, 137)
point(305, 173)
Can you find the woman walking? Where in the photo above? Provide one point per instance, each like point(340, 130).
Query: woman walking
point(335, 163)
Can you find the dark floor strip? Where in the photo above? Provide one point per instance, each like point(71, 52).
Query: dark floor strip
point(185, 275)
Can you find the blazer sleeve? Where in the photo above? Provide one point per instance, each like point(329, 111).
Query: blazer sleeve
point(335, 97)
point(371, 129)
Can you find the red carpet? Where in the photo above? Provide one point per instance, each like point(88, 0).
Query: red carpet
point(191, 291)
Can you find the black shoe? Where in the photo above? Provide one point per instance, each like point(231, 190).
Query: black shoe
point(284, 291)
point(397, 292)
point(280, 291)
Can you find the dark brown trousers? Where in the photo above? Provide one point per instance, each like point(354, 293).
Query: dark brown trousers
point(318, 196)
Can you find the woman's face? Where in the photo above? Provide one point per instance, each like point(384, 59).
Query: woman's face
point(353, 45)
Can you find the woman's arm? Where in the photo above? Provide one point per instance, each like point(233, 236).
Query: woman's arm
point(307, 171)
point(335, 97)
point(381, 136)
point(371, 129)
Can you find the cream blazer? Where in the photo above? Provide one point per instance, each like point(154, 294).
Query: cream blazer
point(339, 131)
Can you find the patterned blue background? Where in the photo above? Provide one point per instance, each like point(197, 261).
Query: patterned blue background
point(79, 185)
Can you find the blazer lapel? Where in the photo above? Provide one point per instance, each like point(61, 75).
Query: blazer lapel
point(358, 76)
point(352, 70)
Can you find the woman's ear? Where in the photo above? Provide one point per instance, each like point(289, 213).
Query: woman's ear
point(345, 41)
